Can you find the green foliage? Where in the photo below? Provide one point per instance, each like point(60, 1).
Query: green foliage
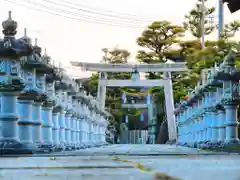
point(230, 29)
point(158, 40)
point(92, 85)
point(115, 56)
point(193, 20)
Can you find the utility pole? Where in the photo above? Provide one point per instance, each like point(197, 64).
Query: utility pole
point(220, 18)
point(203, 24)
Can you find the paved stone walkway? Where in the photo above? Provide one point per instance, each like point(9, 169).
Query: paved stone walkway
point(96, 164)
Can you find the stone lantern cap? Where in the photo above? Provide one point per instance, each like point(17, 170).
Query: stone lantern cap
point(227, 70)
point(107, 114)
point(53, 74)
point(60, 85)
point(96, 105)
point(9, 26)
point(82, 96)
point(46, 58)
point(182, 105)
point(71, 91)
point(90, 102)
point(26, 38)
point(57, 109)
point(230, 59)
point(36, 48)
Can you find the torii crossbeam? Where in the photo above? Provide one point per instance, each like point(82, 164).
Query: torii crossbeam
point(160, 67)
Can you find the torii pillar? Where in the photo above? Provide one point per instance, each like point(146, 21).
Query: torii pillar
point(101, 96)
point(169, 104)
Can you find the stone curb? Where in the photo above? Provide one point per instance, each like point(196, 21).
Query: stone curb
point(68, 167)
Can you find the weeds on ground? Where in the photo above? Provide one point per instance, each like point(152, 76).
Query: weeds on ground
point(52, 158)
point(156, 175)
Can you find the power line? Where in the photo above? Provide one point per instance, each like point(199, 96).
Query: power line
point(106, 10)
point(75, 13)
point(76, 7)
point(114, 18)
point(85, 20)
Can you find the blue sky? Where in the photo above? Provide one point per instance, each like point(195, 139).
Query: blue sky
point(70, 40)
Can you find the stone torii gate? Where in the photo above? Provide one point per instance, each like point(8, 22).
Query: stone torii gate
point(166, 82)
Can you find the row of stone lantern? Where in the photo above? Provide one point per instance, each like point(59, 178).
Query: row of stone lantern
point(42, 109)
point(208, 118)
